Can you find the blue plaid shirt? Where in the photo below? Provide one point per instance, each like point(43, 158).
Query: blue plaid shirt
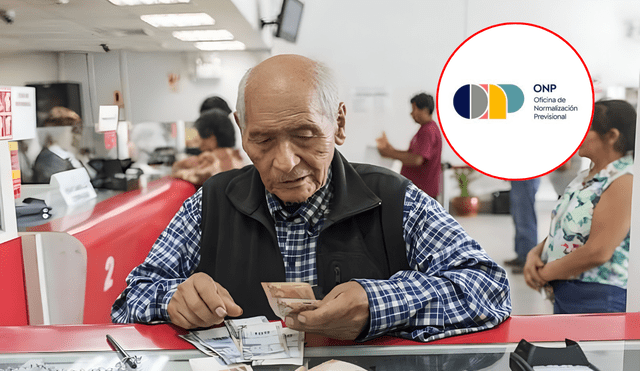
point(453, 287)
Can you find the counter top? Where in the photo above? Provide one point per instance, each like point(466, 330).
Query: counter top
point(543, 328)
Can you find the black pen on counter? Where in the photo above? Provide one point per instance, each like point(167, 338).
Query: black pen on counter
point(124, 356)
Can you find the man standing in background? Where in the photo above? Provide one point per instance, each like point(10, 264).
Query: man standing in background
point(421, 162)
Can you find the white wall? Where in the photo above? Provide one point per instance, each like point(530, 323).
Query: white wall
point(397, 48)
point(150, 95)
point(633, 286)
point(595, 28)
point(22, 69)
point(153, 100)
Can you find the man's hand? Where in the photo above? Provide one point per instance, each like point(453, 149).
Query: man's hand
point(201, 302)
point(342, 314)
point(384, 147)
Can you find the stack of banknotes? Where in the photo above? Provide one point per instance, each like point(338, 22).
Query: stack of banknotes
point(255, 339)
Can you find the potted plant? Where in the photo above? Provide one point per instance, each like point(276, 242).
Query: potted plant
point(465, 204)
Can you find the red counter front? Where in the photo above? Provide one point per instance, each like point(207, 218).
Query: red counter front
point(118, 234)
point(13, 311)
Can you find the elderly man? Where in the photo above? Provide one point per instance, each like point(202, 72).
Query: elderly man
point(387, 258)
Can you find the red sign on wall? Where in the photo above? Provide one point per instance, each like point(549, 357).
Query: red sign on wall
point(110, 139)
point(15, 169)
point(6, 115)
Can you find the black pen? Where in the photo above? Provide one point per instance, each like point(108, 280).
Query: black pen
point(126, 358)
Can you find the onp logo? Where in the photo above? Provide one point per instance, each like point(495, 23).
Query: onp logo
point(487, 101)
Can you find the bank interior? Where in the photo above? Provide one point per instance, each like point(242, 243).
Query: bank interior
point(138, 89)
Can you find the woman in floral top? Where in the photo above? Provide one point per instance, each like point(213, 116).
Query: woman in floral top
point(584, 259)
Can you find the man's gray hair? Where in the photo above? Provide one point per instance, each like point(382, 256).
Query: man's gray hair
point(326, 89)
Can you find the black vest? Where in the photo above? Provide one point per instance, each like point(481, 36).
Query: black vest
point(362, 236)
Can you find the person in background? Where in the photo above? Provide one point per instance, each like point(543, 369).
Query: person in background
point(215, 102)
point(421, 162)
point(387, 258)
point(584, 259)
point(62, 145)
point(209, 103)
point(217, 139)
point(522, 206)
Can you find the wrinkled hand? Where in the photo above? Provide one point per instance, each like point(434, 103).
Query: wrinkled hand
point(342, 314)
point(201, 302)
point(532, 271)
point(384, 147)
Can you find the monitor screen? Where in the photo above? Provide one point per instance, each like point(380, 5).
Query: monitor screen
point(289, 20)
point(56, 94)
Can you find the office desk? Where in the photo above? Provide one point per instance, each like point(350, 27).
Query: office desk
point(610, 342)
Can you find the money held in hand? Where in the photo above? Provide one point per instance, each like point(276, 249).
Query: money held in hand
point(289, 297)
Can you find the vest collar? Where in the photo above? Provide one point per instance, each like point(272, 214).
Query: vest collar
point(351, 195)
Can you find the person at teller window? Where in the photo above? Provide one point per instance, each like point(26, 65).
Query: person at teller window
point(217, 139)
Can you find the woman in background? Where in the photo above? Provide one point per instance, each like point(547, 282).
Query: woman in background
point(217, 139)
point(584, 259)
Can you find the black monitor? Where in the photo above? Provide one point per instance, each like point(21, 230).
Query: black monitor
point(289, 20)
point(49, 95)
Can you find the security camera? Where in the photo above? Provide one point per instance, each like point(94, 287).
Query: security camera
point(105, 47)
point(7, 15)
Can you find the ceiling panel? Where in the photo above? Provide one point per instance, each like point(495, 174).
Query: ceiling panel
point(82, 25)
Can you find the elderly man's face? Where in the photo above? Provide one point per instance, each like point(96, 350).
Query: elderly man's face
point(290, 143)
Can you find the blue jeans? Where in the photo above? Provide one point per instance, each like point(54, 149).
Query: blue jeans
point(522, 199)
point(588, 297)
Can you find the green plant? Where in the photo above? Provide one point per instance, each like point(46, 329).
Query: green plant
point(464, 175)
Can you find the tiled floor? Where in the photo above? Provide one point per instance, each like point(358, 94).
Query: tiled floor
point(495, 233)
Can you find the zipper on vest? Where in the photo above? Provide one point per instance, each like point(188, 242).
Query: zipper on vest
point(336, 271)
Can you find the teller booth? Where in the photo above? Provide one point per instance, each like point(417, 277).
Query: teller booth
point(83, 258)
point(71, 268)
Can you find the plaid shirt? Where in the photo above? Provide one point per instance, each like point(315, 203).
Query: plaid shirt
point(453, 287)
point(298, 232)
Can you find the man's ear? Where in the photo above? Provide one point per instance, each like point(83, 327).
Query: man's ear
point(613, 135)
point(235, 117)
point(341, 134)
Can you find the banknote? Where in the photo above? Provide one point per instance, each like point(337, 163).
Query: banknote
point(286, 306)
point(287, 297)
point(221, 343)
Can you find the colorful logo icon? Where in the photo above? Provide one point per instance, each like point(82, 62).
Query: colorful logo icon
point(487, 101)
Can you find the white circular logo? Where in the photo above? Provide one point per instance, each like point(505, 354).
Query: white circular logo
point(515, 101)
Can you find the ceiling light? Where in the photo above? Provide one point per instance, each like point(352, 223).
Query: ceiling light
point(147, 2)
point(178, 20)
point(203, 35)
point(220, 45)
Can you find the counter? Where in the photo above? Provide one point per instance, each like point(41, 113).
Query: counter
point(610, 342)
point(92, 247)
